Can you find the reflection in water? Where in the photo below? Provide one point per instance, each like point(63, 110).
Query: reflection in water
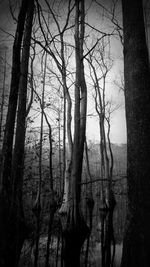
point(90, 205)
point(103, 251)
point(100, 240)
point(96, 262)
point(107, 238)
point(94, 254)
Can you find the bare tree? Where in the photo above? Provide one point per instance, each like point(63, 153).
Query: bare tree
point(37, 205)
point(76, 230)
point(99, 61)
point(61, 63)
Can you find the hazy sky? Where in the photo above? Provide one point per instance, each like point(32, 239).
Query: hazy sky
point(118, 125)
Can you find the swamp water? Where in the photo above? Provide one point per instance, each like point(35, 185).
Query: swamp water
point(94, 258)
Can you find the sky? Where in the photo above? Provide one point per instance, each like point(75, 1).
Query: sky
point(118, 123)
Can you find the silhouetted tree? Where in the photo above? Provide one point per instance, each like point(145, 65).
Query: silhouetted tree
point(136, 247)
point(12, 224)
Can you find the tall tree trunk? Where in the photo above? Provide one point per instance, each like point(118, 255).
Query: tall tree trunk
point(76, 229)
point(67, 126)
point(136, 246)
point(2, 98)
point(5, 183)
point(108, 202)
point(89, 203)
point(17, 221)
point(37, 205)
point(12, 228)
point(2, 108)
point(53, 201)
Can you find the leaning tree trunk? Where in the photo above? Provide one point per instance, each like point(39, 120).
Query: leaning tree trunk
point(136, 247)
point(7, 252)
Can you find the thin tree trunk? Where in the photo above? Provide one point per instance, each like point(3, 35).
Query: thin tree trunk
point(3, 97)
point(90, 204)
point(107, 196)
point(112, 203)
point(53, 204)
point(60, 156)
point(37, 206)
point(64, 140)
point(2, 110)
point(67, 126)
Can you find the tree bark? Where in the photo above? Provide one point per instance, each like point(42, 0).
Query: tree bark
point(2, 98)
point(14, 228)
point(13, 97)
point(6, 185)
point(136, 246)
point(89, 203)
point(76, 229)
point(2, 107)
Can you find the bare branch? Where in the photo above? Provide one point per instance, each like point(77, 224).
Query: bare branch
point(8, 33)
point(12, 11)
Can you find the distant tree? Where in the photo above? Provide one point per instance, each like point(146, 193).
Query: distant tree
point(61, 61)
point(99, 60)
point(136, 245)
